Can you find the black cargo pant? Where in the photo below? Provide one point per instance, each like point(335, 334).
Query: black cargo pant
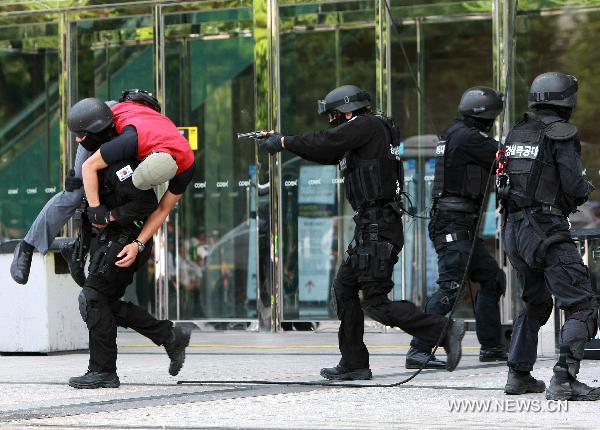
point(101, 308)
point(558, 272)
point(368, 266)
point(452, 261)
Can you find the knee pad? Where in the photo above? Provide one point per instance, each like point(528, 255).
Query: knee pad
point(90, 306)
point(442, 300)
point(86, 296)
point(540, 312)
point(495, 287)
point(569, 359)
point(587, 317)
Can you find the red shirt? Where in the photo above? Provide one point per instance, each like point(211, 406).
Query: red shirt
point(155, 132)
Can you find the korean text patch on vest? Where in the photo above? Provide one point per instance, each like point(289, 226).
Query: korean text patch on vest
point(440, 149)
point(523, 144)
point(124, 173)
point(395, 153)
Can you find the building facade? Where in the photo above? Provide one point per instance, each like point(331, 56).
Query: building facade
point(258, 238)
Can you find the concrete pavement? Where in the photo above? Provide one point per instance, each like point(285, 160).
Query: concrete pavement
point(34, 393)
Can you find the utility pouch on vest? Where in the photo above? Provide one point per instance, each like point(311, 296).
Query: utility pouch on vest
point(114, 247)
point(548, 184)
point(475, 181)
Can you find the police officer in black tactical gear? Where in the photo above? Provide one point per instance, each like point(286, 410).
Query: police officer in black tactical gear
point(366, 148)
point(542, 186)
point(99, 301)
point(464, 158)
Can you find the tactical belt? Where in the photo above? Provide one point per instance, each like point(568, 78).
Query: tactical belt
point(456, 204)
point(452, 237)
point(588, 304)
point(545, 209)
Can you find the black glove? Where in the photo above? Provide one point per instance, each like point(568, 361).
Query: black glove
point(98, 215)
point(272, 144)
point(71, 182)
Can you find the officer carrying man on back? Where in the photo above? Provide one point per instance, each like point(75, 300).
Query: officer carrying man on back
point(137, 130)
point(464, 158)
point(366, 148)
point(543, 184)
point(99, 301)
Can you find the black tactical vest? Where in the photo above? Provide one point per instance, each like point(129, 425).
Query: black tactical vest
point(367, 181)
point(467, 181)
point(531, 181)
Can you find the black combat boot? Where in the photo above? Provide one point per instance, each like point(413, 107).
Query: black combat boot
point(452, 344)
point(496, 353)
point(340, 373)
point(522, 383)
point(93, 379)
point(175, 347)
point(415, 359)
point(77, 272)
point(571, 389)
point(21, 264)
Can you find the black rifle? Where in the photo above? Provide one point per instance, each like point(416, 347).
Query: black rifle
point(81, 246)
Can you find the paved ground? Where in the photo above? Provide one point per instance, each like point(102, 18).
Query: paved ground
point(34, 394)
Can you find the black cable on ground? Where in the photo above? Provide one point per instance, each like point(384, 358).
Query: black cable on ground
point(341, 384)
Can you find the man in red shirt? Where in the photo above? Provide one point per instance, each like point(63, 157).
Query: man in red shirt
point(150, 136)
point(145, 134)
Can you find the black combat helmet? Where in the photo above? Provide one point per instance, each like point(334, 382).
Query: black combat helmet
point(481, 102)
point(553, 89)
point(347, 98)
point(89, 115)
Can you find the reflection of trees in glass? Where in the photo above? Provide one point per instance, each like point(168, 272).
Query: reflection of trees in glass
point(29, 147)
point(312, 64)
point(210, 85)
point(107, 60)
point(564, 43)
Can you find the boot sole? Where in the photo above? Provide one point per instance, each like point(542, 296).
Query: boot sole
point(103, 384)
point(487, 360)
point(186, 342)
point(350, 376)
point(428, 366)
point(512, 392)
point(460, 338)
point(571, 397)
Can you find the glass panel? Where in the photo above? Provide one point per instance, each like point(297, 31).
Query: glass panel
point(108, 56)
point(447, 57)
point(564, 41)
point(209, 58)
point(338, 40)
point(30, 150)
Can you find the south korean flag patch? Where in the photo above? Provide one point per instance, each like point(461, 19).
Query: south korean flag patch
point(124, 173)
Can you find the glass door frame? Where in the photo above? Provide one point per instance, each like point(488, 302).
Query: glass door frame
point(266, 28)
